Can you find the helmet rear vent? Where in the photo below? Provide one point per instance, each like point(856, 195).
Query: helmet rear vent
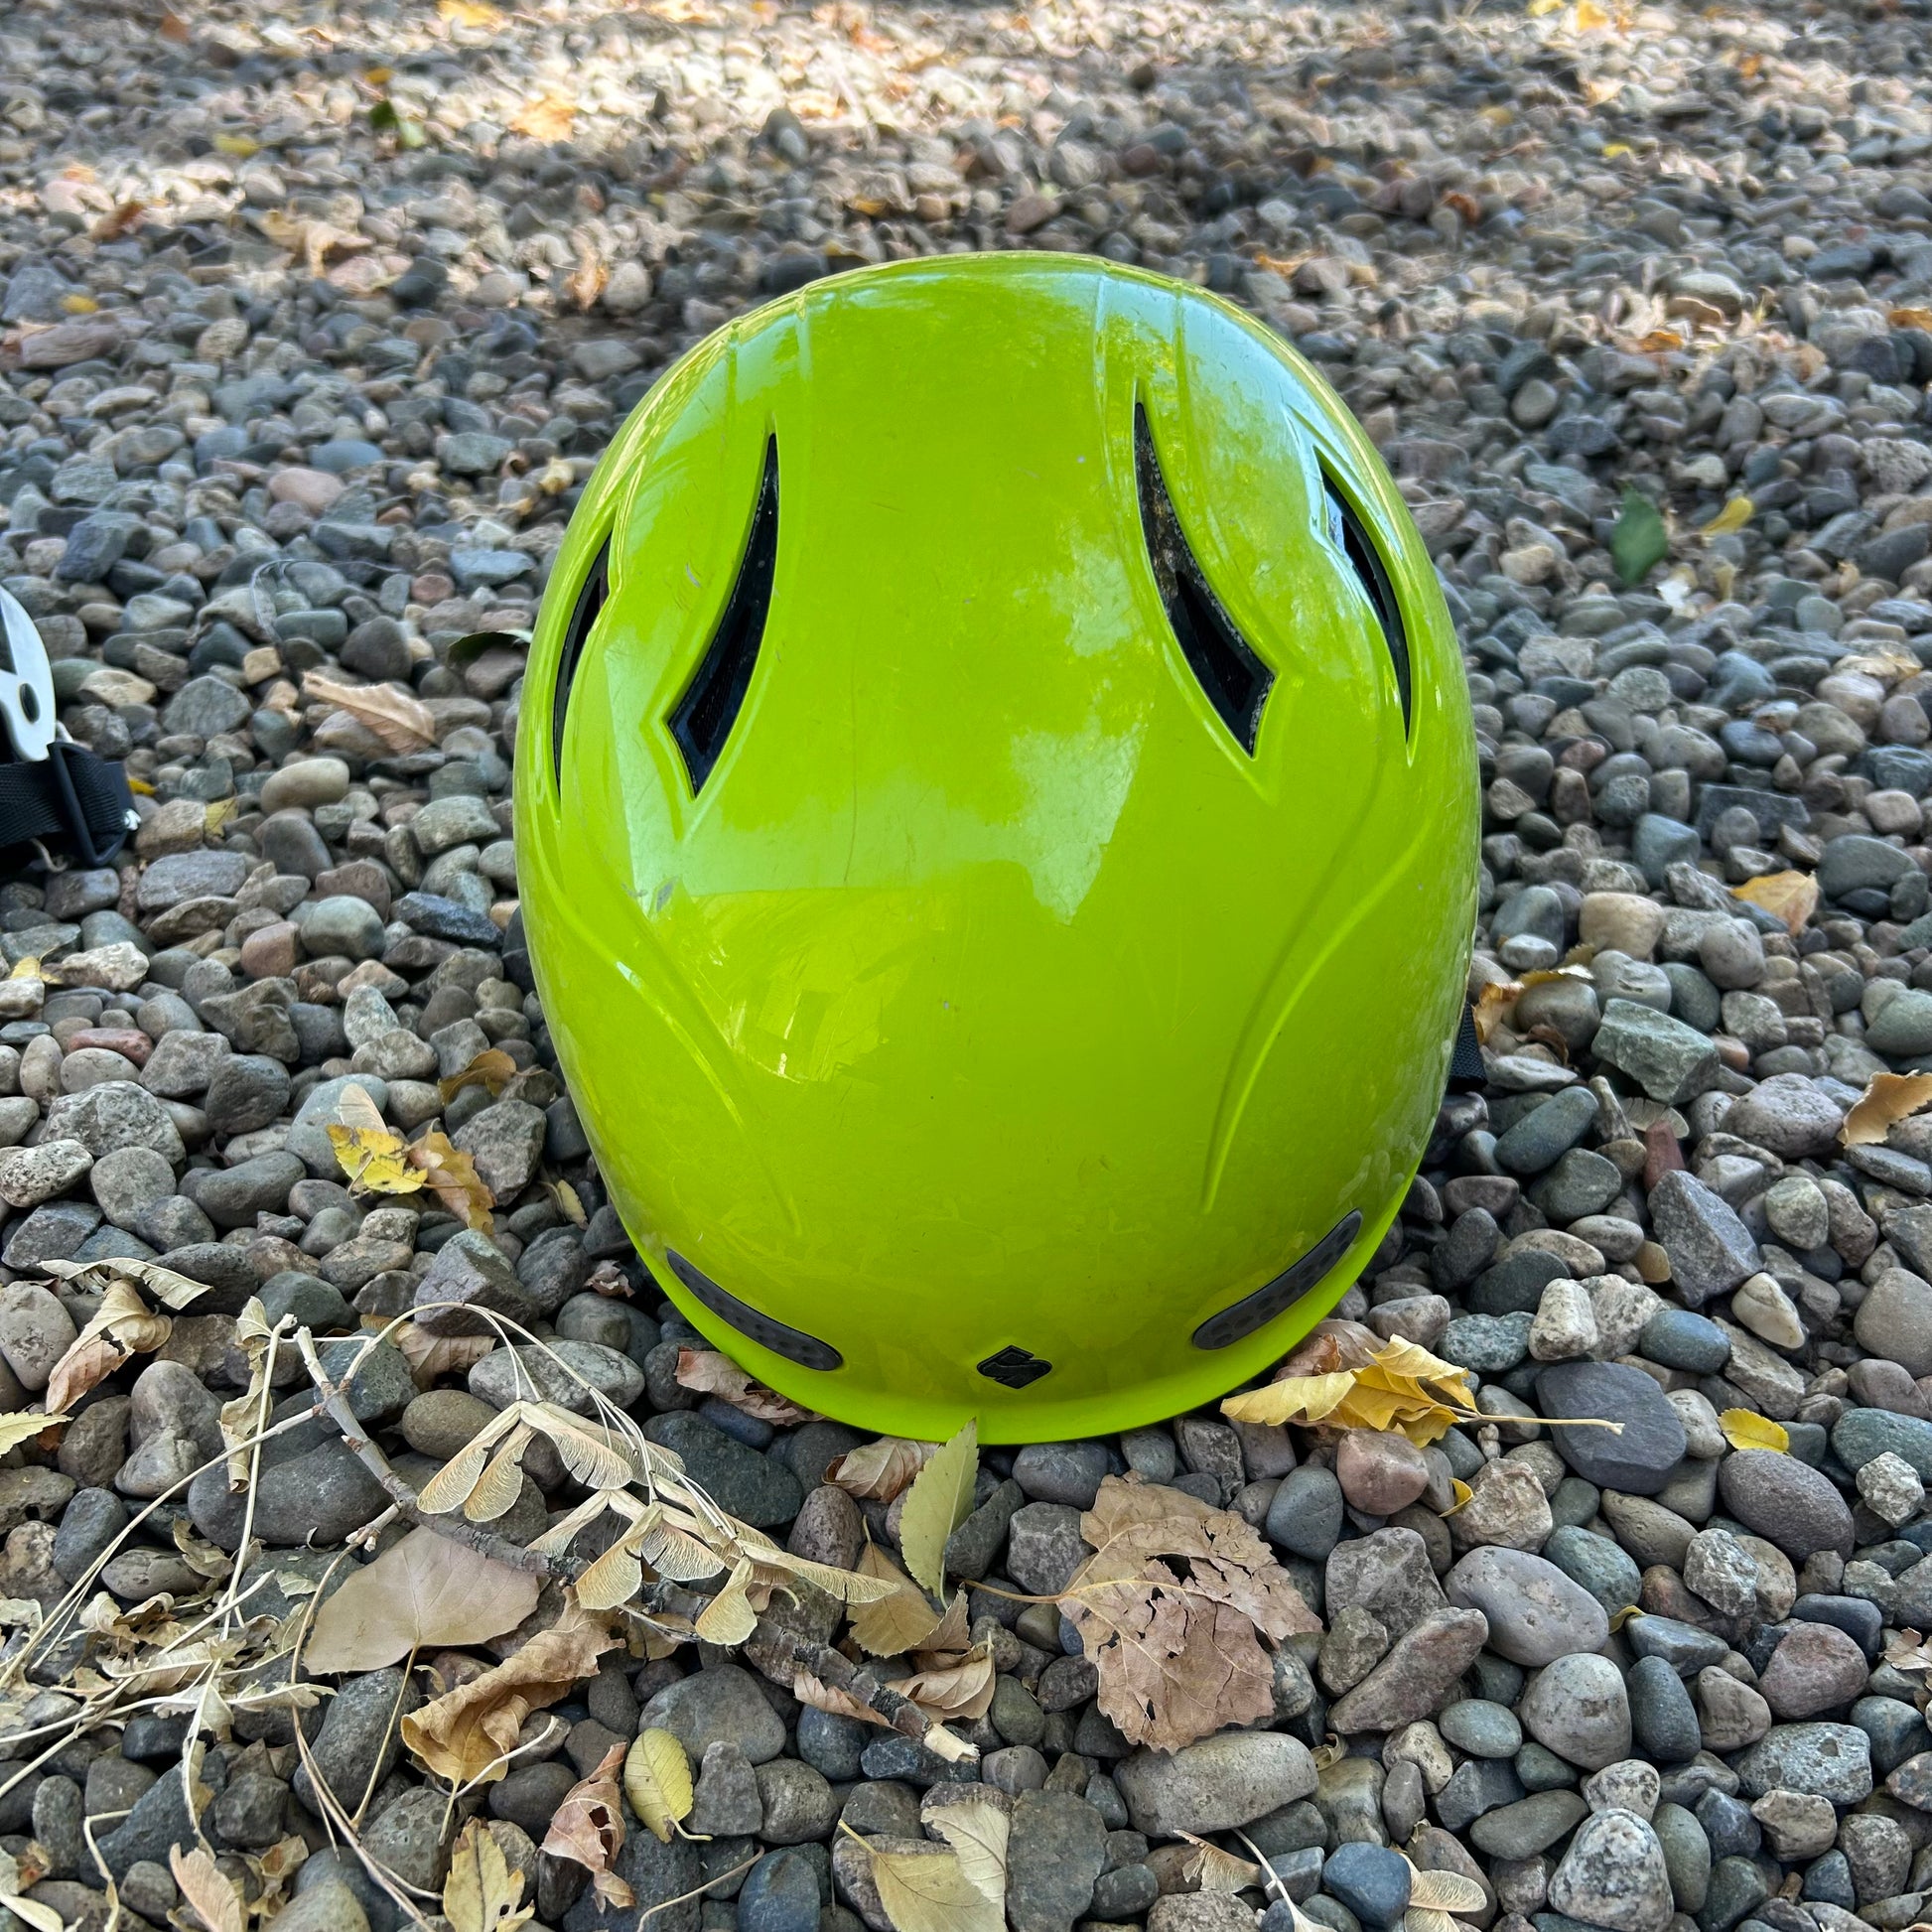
point(1234, 679)
point(712, 701)
point(764, 1329)
point(1255, 1310)
point(1349, 534)
point(584, 614)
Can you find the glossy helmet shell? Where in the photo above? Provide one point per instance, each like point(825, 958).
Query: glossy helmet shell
point(996, 830)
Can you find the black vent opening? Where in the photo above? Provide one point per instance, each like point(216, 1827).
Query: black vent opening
point(1234, 679)
point(794, 1344)
point(584, 615)
point(1013, 1367)
point(1240, 1320)
point(711, 703)
point(1349, 535)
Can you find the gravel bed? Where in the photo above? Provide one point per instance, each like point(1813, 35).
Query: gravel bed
point(312, 322)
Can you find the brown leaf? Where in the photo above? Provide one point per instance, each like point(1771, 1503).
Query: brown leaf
point(210, 1898)
point(463, 1735)
point(481, 1892)
point(1491, 1003)
point(821, 1696)
point(492, 1068)
point(400, 719)
point(426, 1591)
point(450, 1176)
point(123, 217)
point(588, 1829)
point(959, 1688)
point(1888, 1097)
point(711, 1373)
point(879, 1470)
point(587, 279)
point(174, 28)
point(1171, 1609)
point(546, 119)
point(121, 1327)
point(432, 1355)
point(902, 1621)
point(1788, 896)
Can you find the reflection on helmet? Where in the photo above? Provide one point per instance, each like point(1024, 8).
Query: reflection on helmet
point(998, 842)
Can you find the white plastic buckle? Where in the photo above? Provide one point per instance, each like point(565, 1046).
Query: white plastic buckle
point(26, 684)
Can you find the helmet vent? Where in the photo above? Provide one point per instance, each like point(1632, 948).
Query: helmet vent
point(584, 615)
point(1234, 679)
point(1349, 535)
point(1255, 1310)
point(767, 1331)
point(711, 703)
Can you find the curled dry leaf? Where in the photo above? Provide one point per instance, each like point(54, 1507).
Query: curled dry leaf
point(879, 1470)
point(24, 1425)
point(432, 1355)
point(957, 1687)
point(1788, 896)
point(463, 1735)
point(1745, 1428)
point(1347, 1377)
point(1171, 1609)
point(1211, 1869)
point(400, 719)
point(1888, 1097)
point(588, 1829)
point(240, 1416)
point(822, 1696)
point(450, 1176)
point(481, 1892)
point(712, 1373)
point(492, 1068)
point(423, 1592)
point(172, 1290)
point(939, 1500)
point(547, 120)
point(206, 1887)
point(34, 1912)
point(1491, 1003)
point(657, 1781)
point(121, 1327)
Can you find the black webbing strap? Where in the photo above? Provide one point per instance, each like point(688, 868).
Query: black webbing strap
point(1465, 1064)
point(74, 804)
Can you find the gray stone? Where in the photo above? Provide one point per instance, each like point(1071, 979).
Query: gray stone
point(719, 1705)
point(1578, 1708)
point(1536, 1613)
point(1216, 1785)
point(1711, 1250)
point(1055, 1849)
point(1671, 1062)
point(1793, 1505)
point(1614, 1875)
point(1828, 1760)
point(753, 1488)
point(1652, 1442)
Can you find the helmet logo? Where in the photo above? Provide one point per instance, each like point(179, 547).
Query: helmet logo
point(709, 708)
point(1014, 1368)
point(1235, 680)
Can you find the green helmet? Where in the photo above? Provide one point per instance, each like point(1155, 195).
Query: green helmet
point(997, 826)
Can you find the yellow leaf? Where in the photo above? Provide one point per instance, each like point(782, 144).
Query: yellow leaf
point(492, 1068)
point(28, 969)
point(1590, 16)
point(1462, 1492)
point(1306, 1399)
point(1734, 516)
point(1788, 896)
point(894, 1624)
point(237, 146)
point(1538, 8)
point(932, 1892)
point(1910, 318)
point(571, 1202)
point(657, 1781)
point(1888, 1097)
point(546, 119)
point(1745, 1428)
point(1616, 150)
point(978, 1831)
point(210, 1895)
point(375, 1161)
point(471, 13)
point(450, 1176)
point(481, 1892)
point(1618, 1618)
point(940, 1499)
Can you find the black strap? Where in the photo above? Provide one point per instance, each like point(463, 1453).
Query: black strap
point(73, 802)
point(1466, 1073)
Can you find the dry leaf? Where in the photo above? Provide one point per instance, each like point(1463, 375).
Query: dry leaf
point(978, 1831)
point(1745, 1428)
point(471, 13)
point(206, 1887)
point(1212, 1870)
point(940, 1499)
point(657, 1781)
point(585, 281)
point(902, 1621)
point(34, 1912)
point(243, 1415)
point(492, 1068)
point(450, 1176)
point(375, 1161)
point(1889, 1097)
point(821, 1696)
point(1909, 1651)
point(879, 1470)
point(1910, 318)
point(481, 1892)
point(425, 1592)
point(1491, 1003)
point(24, 1425)
point(711, 1373)
point(588, 1829)
point(1734, 516)
point(1392, 1385)
point(1788, 896)
point(463, 1735)
point(432, 1355)
point(119, 220)
point(121, 1327)
point(174, 28)
point(400, 719)
point(932, 1892)
point(961, 1688)
point(1171, 1609)
point(545, 119)
point(1446, 1891)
